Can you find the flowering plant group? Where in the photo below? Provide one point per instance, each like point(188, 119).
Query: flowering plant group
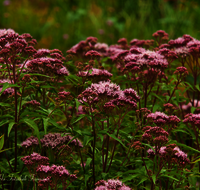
point(122, 117)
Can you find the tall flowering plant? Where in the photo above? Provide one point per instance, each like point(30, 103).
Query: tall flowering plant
point(67, 123)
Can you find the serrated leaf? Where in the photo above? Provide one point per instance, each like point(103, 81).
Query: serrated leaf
point(10, 126)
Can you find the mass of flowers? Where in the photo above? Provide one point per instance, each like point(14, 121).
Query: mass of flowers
point(104, 117)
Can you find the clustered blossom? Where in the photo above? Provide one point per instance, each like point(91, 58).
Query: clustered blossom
point(55, 140)
point(111, 184)
point(64, 96)
point(82, 47)
point(30, 141)
point(47, 65)
point(170, 153)
point(55, 171)
point(44, 183)
point(13, 47)
point(160, 118)
point(156, 135)
point(160, 35)
point(35, 159)
point(193, 119)
point(181, 71)
point(33, 103)
point(98, 74)
point(110, 94)
point(146, 58)
point(54, 174)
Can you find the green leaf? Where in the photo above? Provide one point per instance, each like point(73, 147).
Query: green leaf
point(5, 104)
point(187, 147)
point(193, 109)
point(161, 99)
point(142, 180)
point(168, 176)
point(5, 86)
point(33, 125)
point(155, 107)
point(189, 85)
point(130, 177)
point(5, 150)
point(195, 161)
point(177, 96)
point(114, 137)
point(154, 178)
point(45, 122)
point(53, 122)
point(10, 127)
point(79, 118)
point(4, 122)
point(1, 141)
point(77, 104)
point(148, 146)
point(88, 162)
point(197, 87)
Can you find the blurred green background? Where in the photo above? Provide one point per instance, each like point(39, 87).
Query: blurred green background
point(63, 23)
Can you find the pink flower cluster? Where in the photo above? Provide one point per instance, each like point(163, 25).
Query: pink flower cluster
point(170, 153)
point(155, 135)
point(29, 142)
point(34, 160)
point(82, 47)
point(111, 184)
point(110, 95)
point(12, 44)
point(160, 118)
point(53, 175)
point(46, 65)
point(33, 103)
point(193, 119)
point(147, 58)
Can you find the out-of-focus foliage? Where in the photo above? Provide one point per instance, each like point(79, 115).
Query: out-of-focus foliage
point(62, 23)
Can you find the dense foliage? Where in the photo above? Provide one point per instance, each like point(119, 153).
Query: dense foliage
point(124, 116)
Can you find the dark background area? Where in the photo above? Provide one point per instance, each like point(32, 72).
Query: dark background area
point(63, 23)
